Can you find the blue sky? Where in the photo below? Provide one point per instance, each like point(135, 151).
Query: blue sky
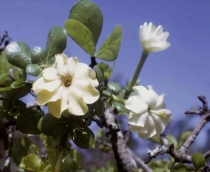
point(181, 72)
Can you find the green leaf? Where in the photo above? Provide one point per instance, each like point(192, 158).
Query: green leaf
point(198, 160)
point(89, 14)
point(33, 69)
point(18, 73)
point(4, 65)
point(20, 149)
point(49, 168)
point(5, 89)
point(3, 78)
point(56, 42)
point(83, 137)
point(81, 35)
point(182, 168)
point(30, 162)
point(49, 63)
point(99, 107)
point(183, 138)
point(113, 86)
point(59, 131)
point(75, 155)
point(107, 70)
point(99, 73)
point(42, 166)
point(173, 141)
point(18, 54)
point(48, 123)
point(17, 84)
point(27, 118)
point(156, 139)
point(110, 48)
point(38, 55)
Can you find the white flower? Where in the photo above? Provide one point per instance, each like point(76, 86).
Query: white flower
point(148, 116)
point(153, 39)
point(67, 84)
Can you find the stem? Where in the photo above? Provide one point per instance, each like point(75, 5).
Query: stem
point(113, 97)
point(59, 160)
point(137, 72)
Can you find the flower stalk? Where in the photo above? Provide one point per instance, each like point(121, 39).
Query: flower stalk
point(137, 72)
point(113, 97)
point(59, 160)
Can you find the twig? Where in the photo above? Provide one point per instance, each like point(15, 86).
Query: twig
point(93, 62)
point(7, 162)
point(4, 39)
point(207, 154)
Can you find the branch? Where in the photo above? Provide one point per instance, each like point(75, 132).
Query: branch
point(93, 62)
point(123, 159)
point(145, 167)
point(207, 154)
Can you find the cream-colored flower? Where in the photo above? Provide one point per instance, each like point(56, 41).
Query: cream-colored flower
point(148, 115)
point(67, 84)
point(153, 39)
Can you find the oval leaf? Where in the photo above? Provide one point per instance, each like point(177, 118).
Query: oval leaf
point(198, 160)
point(18, 73)
point(81, 35)
point(30, 162)
point(33, 69)
point(113, 86)
point(110, 48)
point(56, 42)
point(18, 54)
point(17, 84)
point(90, 15)
point(83, 137)
point(38, 55)
point(99, 73)
point(4, 65)
point(3, 78)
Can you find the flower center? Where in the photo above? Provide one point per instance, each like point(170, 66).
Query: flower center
point(67, 83)
point(66, 80)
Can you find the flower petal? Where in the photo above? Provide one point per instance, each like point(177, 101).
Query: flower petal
point(50, 73)
point(64, 100)
point(160, 102)
point(61, 58)
point(72, 65)
point(136, 105)
point(138, 129)
point(76, 104)
point(42, 84)
point(54, 108)
point(147, 95)
point(151, 129)
point(84, 72)
point(89, 93)
point(138, 120)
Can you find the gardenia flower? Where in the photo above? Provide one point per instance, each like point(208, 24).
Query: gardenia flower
point(67, 84)
point(148, 115)
point(153, 39)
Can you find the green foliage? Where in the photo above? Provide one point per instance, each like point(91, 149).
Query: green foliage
point(172, 140)
point(18, 73)
point(4, 65)
point(30, 162)
point(81, 35)
point(182, 168)
point(114, 87)
point(38, 55)
point(110, 48)
point(89, 15)
point(99, 73)
point(83, 137)
point(3, 78)
point(52, 126)
point(20, 149)
point(18, 54)
point(160, 166)
point(56, 42)
point(183, 138)
point(99, 107)
point(198, 160)
point(106, 69)
point(33, 69)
